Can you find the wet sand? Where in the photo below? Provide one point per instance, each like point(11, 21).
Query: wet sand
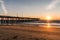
point(28, 32)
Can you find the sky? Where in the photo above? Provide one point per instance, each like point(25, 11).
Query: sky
point(31, 8)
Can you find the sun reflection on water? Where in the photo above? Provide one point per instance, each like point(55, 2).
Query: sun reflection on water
point(48, 25)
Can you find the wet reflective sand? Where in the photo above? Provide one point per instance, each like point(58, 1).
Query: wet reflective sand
point(29, 32)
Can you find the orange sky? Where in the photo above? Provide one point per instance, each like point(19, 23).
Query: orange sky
point(52, 18)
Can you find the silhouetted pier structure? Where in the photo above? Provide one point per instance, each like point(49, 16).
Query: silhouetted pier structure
point(16, 20)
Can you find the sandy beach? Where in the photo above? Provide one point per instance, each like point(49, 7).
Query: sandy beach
point(28, 32)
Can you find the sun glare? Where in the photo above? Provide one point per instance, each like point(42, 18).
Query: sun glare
point(48, 17)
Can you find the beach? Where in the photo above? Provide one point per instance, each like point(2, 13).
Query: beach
point(28, 32)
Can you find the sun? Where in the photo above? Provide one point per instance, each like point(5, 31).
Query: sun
point(48, 18)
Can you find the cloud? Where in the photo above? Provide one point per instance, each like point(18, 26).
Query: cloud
point(52, 4)
point(3, 7)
